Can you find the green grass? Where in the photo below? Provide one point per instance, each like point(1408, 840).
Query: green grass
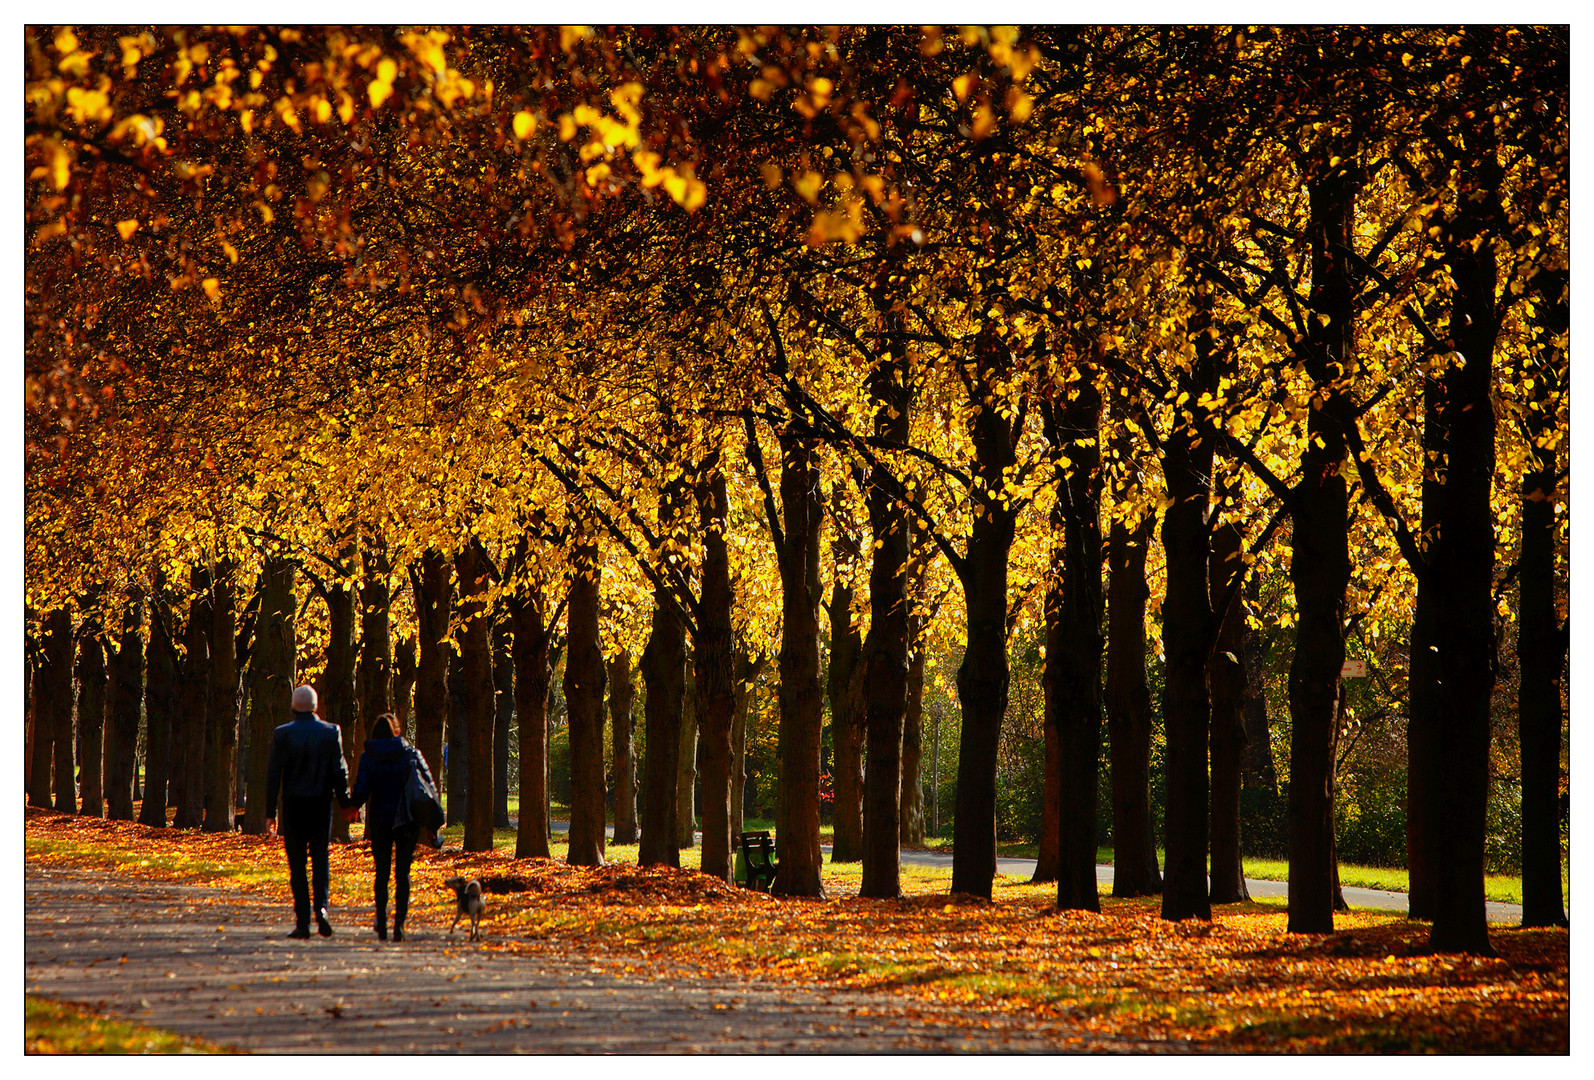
point(54, 1027)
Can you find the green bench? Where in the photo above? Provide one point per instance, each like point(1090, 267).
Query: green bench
point(755, 860)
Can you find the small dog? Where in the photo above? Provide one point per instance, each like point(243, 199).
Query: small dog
point(470, 902)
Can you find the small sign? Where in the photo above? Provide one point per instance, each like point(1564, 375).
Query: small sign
point(1353, 669)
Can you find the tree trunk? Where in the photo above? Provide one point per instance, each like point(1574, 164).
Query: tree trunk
point(885, 651)
point(503, 716)
point(1541, 642)
point(583, 687)
point(747, 671)
point(221, 717)
point(54, 697)
point(664, 678)
point(161, 669)
point(982, 678)
point(844, 688)
point(433, 598)
point(1320, 565)
point(189, 734)
point(622, 725)
point(376, 638)
point(1186, 636)
point(1074, 641)
point(91, 716)
point(65, 741)
point(123, 704)
point(404, 675)
point(1046, 855)
point(911, 818)
point(1129, 715)
point(533, 677)
point(1422, 674)
point(715, 689)
point(337, 696)
point(476, 676)
point(1464, 630)
point(458, 753)
point(1259, 771)
point(801, 692)
point(686, 766)
point(1226, 680)
point(271, 681)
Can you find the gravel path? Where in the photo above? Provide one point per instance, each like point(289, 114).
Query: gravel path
point(207, 963)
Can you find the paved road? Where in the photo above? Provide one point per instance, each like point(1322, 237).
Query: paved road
point(1364, 898)
point(213, 964)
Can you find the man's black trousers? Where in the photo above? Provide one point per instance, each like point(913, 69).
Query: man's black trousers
point(306, 830)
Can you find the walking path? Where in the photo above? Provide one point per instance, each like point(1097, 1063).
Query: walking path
point(214, 964)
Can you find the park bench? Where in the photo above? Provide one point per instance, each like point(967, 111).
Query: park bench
point(755, 860)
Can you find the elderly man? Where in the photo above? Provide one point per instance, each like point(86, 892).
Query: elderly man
point(306, 765)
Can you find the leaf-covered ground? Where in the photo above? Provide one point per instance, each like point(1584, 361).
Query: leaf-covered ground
point(1239, 983)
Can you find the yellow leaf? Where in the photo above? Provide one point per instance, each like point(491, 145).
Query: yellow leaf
point(962, 85)
point(127, 228)
point(212, 287)
point(807, 185)
point(525, 124)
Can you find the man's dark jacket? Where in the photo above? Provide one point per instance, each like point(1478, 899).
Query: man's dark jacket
point(385, 768)
point(306, 763)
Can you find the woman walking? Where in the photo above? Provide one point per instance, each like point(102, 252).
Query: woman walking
point(384, 772)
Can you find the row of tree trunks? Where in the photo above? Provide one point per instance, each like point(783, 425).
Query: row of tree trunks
point(91, 681)
point(583, 686)
point(983, 677)
point(1073, 637)
point(528, 614)
point(1226, 678)
point(622, 725)
point(1129, 717)
point(715, 671)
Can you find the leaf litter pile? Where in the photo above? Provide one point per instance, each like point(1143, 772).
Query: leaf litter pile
point(1238, 983)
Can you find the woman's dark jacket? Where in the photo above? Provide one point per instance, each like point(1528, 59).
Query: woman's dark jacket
point(384, 771)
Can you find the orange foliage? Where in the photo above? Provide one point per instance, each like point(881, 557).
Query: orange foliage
point(1239, 983)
